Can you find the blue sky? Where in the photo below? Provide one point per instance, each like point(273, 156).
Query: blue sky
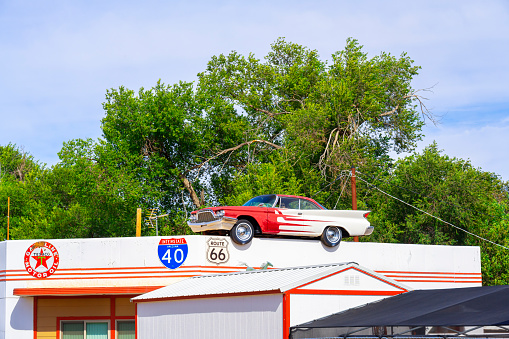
point(58, 58)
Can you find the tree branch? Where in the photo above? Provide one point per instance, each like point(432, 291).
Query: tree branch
point(426, 113)
point(190, 189)
point(270, 114)
point(232, 149)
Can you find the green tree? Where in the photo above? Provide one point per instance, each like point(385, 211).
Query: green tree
point(452, 190)
point(326, 117)
point(171, 138)
point(94, 198)
point(23, 180)
point(76, 198)
point(318, 106)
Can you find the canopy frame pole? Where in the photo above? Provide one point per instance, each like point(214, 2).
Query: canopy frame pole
point(458, 333)
point(472, 329)
point(348, 333)
point(410, 330)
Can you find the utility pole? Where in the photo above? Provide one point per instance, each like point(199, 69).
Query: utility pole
point(354, 196)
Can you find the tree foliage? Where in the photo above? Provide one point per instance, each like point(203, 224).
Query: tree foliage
point(162, 134)
point(452, 190)
point(328, 116)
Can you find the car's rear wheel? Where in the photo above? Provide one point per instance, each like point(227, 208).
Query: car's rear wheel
point(243, 232)
point(331, 236)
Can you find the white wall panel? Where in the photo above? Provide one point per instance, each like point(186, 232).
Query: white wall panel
point(3, 263)
point(305, 307)
point(249, 317)
point(2, 318)
point(19, 318)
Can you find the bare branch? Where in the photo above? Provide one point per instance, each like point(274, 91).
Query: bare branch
point(290, 100)
point(390, 112)
point(232, 149)
point(270, 114)
point(326, 151)
point(190, 190)
point(426, 113)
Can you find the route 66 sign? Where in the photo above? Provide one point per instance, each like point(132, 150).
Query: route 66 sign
point(217, 251)
point(172, 252)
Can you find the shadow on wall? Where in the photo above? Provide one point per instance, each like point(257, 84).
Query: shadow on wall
point(22, 314)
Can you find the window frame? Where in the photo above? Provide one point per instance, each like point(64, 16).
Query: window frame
point(85, 321)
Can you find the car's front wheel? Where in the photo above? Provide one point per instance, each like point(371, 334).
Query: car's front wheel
point(331, 236)
point(243, 232)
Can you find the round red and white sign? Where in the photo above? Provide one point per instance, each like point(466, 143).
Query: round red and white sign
point(41, 259)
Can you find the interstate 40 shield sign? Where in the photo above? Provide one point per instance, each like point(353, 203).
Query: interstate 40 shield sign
point(172, 252)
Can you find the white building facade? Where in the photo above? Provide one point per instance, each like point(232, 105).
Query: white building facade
point(48, 287)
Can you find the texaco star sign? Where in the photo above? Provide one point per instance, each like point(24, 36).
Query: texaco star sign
point(41, 259)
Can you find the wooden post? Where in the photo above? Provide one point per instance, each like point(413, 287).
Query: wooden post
point(138, 222)
point(354, 196)
point(8, 214)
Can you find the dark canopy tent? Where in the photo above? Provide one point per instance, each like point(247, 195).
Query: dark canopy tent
point(444, 313)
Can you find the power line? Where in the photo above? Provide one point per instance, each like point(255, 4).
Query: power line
point(431, 215)
point(340, 194)
point(426, 196)
point(339, 177)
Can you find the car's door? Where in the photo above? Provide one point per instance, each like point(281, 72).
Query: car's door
point(279, 217)
point(258, 208)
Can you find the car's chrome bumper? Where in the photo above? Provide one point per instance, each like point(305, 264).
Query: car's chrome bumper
point(369, 230)
point(224, 223)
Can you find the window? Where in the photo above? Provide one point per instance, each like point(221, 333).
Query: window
point(287, 202)
point(96, 329)
point(85, 330)
point(307, 205)
point(73, 330)
point(262, 201)
point(125, 329)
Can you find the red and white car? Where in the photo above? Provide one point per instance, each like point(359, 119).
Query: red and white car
point(281, 215)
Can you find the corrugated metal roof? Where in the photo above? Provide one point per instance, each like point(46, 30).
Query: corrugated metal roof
point(281, 280)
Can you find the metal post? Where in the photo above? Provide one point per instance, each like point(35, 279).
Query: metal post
point(8, 215)
point(138, 222)
point(354, 196)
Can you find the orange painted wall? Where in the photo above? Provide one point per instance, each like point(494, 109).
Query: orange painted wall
point(49, 309)
point(124, 307)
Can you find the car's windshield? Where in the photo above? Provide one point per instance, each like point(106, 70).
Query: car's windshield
point(262, 201)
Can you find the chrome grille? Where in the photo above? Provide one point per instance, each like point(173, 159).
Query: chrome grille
point(205, 216)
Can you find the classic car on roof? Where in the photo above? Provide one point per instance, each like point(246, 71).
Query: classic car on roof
point(286, 215)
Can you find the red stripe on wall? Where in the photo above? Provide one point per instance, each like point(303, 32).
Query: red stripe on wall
point(84, 290)
point(343, 292)
point(135, 321)
point(35, 318)
point(286, 315)
point(112, 317)
point(458, 282)
point(408, 272)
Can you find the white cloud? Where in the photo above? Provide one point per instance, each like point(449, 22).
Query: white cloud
point(484, 145)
